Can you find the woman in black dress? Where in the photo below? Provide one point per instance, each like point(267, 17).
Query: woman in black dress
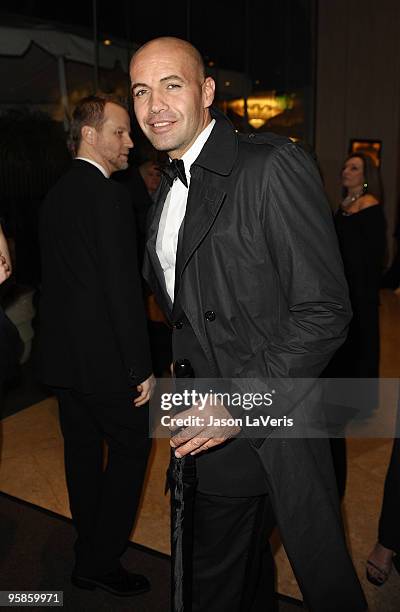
point(361, 229)
point(360, 226)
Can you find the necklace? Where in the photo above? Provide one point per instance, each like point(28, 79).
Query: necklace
point(349, 199)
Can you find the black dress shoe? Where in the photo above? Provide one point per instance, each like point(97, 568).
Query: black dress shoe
point(119, 582)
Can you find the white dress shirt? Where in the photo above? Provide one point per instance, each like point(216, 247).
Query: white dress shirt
point(174, 212)
point(90, 161)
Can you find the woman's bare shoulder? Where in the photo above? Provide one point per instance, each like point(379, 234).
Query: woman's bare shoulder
point(367, 200)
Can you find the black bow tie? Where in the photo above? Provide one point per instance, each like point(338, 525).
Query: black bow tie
point(175, 169)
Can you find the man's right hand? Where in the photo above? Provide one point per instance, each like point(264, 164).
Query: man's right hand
point(197, 439)
point(146, 390)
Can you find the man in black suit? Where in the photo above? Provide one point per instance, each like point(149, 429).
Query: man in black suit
point(93, 346)
point(242, 254)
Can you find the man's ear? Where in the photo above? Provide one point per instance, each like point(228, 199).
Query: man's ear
point(88, 134)
point(208, 88)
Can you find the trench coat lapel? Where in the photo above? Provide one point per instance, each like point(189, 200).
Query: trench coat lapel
point(204, 202)
point(203, 205)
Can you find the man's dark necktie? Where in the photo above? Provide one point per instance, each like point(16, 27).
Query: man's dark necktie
point(175, 169)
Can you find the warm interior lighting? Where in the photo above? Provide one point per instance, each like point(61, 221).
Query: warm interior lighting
point(262, 107)
point(107, 42)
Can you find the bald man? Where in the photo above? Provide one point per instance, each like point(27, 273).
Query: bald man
point(242, 255)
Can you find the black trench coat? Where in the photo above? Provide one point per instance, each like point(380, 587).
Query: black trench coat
point(258, 250)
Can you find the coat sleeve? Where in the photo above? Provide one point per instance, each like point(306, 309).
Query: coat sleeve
point(314, 309)
point(118, 268)
point(301, 238)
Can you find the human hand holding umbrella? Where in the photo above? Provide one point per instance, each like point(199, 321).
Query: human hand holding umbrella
point(185, 445)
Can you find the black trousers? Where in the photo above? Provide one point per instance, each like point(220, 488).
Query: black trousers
point(339, 458)
point(233, 568)
point(103, 496)
point(389, 522)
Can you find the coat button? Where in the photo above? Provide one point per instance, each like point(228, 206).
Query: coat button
point(178, 325)
point(210, 315)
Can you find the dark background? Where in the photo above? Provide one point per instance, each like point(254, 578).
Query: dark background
point(272, 40)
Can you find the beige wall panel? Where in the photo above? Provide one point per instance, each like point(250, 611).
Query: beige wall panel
point(358, 87)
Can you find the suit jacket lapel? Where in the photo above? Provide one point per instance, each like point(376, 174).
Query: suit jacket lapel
point(155, 266)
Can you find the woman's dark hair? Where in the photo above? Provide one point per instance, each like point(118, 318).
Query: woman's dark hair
point(372, 177)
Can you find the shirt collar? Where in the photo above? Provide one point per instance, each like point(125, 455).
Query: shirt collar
point(91, 161)
point(191, 154)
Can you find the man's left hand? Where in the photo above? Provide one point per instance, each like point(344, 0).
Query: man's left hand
point(146, 390)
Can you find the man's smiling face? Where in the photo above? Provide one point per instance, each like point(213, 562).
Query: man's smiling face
point(170, 94)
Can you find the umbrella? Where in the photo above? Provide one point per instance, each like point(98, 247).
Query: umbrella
point(182, 481)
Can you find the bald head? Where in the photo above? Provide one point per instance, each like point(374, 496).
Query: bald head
point(168, 43)
point(171, 93)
